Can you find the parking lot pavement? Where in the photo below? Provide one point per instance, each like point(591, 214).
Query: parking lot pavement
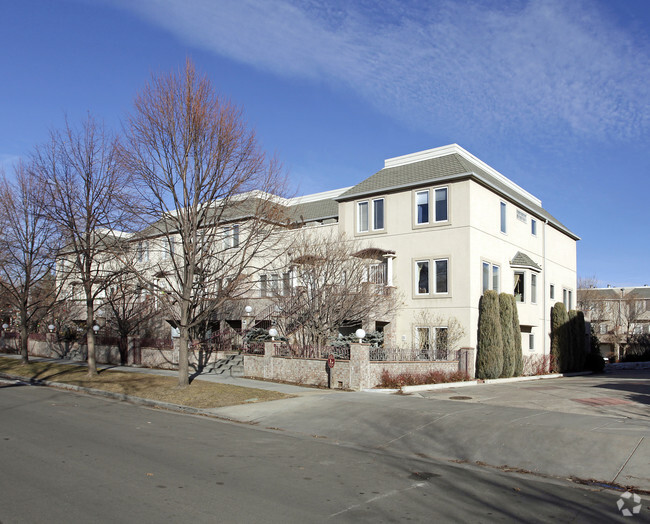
point(622, 393)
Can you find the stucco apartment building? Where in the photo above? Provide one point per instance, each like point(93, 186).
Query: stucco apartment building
point(616, 314)
point(439, 227)
point(443, 226)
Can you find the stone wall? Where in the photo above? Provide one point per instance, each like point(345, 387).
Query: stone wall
point(357, 373)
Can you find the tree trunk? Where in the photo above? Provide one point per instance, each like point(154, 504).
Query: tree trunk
point(24, 344)
point(124, 350)
point(183, 364)
point(90, 339)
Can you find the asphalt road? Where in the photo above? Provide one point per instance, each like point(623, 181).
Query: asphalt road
point(67, 457)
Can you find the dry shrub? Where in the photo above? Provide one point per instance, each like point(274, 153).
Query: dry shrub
point(397, 380)
point(538, 364)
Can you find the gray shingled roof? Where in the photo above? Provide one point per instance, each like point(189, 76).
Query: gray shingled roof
point(236, 210)
point(439, 169)
point(639, 292)
point(522, 259)
point(319, 210)
point(602, 293)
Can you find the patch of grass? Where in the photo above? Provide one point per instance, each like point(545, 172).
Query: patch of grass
point(200, 394)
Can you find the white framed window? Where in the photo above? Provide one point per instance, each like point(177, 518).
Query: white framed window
point(503, 218)
point(362, 217)
point(432, 276)
point(378, 214)
point(431, 342)
point(533, 227)
point(422, 207)
point(520, 286)
point(441, 204)
point(424, 213)
point(602, 328)
point(371, 213)
point(551, 292)
point(491, 277)
point(231, 236)
point(143, 251)
point(422, 277)
point(270, 284)
point(235, 235)
point(441, 280)
point(533, 288)
point(531, 341)
point(567, 298)
point(422, 338)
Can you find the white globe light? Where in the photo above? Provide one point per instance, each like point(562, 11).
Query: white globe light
point(51, 327)
point(273, 332)
point(95, 328)
point(5, 326)
point(360, 333)
point(248, 310)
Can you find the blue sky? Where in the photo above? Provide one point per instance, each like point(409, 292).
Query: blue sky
point(553, 94)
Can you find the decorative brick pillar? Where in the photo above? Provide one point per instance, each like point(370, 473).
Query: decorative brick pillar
point(269, 350)
point(467, 361)
point(360, 366)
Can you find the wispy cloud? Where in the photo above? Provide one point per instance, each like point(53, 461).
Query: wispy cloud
point(7, 162)
point(511, 66)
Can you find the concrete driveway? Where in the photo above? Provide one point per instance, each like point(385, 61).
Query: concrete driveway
point(616, 394)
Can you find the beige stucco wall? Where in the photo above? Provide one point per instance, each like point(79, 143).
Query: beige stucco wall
point(470, 236)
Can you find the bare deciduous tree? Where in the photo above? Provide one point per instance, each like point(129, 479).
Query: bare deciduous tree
point(129, 307)
point(28, 242)
point(438, 335)
point(589, 298)
point(334, 286)
point(90, 205)
point(207, 190)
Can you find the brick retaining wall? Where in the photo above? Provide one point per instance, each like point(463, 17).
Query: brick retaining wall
point(357, 373)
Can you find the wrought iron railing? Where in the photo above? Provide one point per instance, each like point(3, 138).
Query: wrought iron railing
point(410, 354)
point(315, 352)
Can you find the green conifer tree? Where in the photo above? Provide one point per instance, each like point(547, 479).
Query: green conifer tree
point(559, 338)
point(516, 336)
point(489, 351)
point(505, 309)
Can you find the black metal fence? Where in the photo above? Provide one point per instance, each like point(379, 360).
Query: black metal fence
point(410, 354)
point(285, 350)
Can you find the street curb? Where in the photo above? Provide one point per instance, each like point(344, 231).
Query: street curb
point(427, 387)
